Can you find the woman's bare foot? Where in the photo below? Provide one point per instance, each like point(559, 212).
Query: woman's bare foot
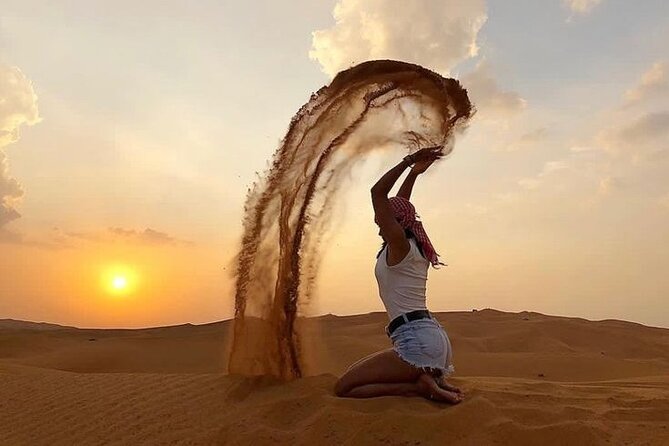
point(428, 388)
point(441, 381)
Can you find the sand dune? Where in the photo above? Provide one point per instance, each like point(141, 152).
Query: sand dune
point(530, 379)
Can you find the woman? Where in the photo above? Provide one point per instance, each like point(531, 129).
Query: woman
point(421, 355)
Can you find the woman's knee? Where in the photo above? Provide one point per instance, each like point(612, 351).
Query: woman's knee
point(341, 387)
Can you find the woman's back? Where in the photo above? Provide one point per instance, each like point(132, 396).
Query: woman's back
point(402, 286)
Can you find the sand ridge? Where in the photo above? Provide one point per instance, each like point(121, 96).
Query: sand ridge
point(603, 382)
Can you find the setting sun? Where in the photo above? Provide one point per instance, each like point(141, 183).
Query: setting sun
point(120, 282)
point(119, 279)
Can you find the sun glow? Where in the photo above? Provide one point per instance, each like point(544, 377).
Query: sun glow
point(119, 280)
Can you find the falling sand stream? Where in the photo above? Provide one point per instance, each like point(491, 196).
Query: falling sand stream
point(373, 106)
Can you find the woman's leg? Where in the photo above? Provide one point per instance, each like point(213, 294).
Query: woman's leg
point(385, 373)
point(441, 381)
point(383, 389)
point(383, 367)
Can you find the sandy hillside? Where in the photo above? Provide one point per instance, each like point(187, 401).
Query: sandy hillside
point(530, 379)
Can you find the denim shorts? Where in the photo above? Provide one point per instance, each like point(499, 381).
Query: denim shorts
point(424, 344)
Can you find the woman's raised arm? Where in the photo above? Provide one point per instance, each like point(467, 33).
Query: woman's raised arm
point(391, 230)
point(416, 170)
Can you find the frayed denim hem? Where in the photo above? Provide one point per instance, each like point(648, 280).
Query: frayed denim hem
point(430, 370)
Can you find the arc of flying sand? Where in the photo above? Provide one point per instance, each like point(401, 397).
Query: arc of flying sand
point(287, 301)
point(247, 257)
point(251, 240)
point(269, 276)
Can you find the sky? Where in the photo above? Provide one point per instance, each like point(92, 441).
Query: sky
point(130, 132)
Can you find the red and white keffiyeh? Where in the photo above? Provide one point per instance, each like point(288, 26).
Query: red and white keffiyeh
point(405, 213)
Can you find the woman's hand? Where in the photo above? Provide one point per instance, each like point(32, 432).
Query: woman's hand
point(421, 166)
point(424, 158)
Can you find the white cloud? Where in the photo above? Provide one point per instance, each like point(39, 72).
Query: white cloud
point(18, 106)
point(437, 34)
point(490, 100)
point(10, 193)
point(608, 185)
point(652, 83)
point(581, 7)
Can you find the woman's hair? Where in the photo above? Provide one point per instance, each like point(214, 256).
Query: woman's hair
point(409, 234)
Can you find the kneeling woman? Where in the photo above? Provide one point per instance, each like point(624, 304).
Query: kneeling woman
point(420, 359)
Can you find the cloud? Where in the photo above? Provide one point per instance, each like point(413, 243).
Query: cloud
point(609, 184)
point(10, 237)
point(10, 193)
point(653, 82)
point(646, 129)
point(639, 139)
point(52, 242)
point(437, 34)
point(147, 236)
point(581, 7)
point(58, 238)
point(549, 168)
point(527, 139)
point(534, 136)
point(491, 101)
point(18, 106)
point(627, 150)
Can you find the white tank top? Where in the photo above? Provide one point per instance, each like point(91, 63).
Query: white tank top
point(402, 286)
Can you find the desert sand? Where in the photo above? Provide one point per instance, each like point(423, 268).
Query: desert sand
point(530, 379)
